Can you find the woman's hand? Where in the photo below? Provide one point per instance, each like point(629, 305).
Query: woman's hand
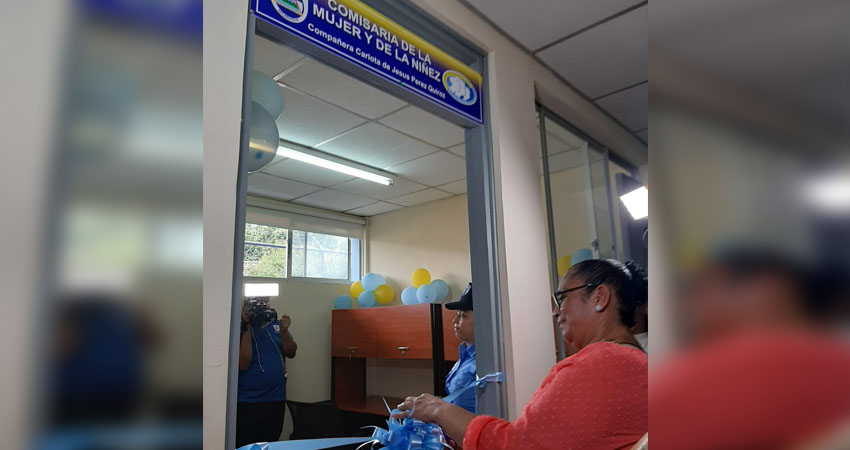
point(425, 408)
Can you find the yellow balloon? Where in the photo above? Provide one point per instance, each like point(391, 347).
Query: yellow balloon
point(420, 276)
point(384, 294)
point(564, 265)
point(356, 290)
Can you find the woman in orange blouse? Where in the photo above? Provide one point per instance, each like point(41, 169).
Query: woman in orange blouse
point(596, 398)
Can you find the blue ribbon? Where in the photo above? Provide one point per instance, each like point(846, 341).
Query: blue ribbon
point(480, 382)
point(405, 434)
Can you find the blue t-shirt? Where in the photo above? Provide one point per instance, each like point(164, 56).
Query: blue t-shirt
point(461, 376)
point(265, 379)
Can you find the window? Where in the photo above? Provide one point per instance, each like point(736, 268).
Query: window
point(316, 255)
point(312, 255)
point(265, 251)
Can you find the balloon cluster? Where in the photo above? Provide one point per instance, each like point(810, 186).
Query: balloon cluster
point(370, 291)
point(424, 290)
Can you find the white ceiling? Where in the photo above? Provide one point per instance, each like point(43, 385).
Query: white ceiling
point(598, 46)
point(333, 113)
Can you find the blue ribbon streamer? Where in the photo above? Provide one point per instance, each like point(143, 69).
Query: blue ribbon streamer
point(405, 434)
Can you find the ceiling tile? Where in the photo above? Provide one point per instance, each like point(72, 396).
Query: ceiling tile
point(308, 121)
point(279, 188)
point(629, 106)
point(411, 149)
point(271, 58)
point(307, 173)
point(374, 209)
point(459, 150)
point(605, 58)
point(365, 143)
point(418, 198)
point(370, 189)
point(644, 135)
point(458, 187)
point(534, 29)
point(435, 169)
point(342, 90)
point(334, 200)
point(425, 126)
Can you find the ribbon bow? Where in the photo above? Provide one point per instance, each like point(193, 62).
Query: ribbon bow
point(408, 434)
point(414, 434)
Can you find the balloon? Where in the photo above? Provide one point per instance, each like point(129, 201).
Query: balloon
point(264, 138)
point(343, 302)
point(267, 93)
point(367, 299)
point(564, 265)
point(356, 289)
point(581, 255)
point(426, 294)
point(408, 296)
point(371, 281)
point(420, 276)
point(441, 288)
point(384, 294)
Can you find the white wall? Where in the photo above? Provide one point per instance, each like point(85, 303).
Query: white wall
point(434, 236)
point(224, 53)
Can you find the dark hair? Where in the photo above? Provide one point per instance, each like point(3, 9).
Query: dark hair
point(627, 281)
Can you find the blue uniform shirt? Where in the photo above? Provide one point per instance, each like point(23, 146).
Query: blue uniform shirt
point(461, 376)
point(264, 380)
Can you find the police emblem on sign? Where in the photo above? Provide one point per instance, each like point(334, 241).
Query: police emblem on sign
point(294, 11)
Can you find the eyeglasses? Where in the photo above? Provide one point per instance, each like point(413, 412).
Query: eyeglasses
point(559, 296)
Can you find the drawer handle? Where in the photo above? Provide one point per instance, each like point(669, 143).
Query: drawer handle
point(351, 351)
point(403, 350)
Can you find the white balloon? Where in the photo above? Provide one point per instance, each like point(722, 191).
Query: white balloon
point(264, 138)
point(265, 91)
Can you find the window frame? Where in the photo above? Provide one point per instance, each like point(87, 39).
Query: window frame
point(289, 264)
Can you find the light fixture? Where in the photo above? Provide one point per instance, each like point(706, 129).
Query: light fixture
point(261, 289)
point(829, 193)
point(637, 202)
point(311, 158)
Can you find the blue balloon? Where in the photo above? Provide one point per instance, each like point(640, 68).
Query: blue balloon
point(426, 294)
point(371, 281)
point(263, 140)
point(442, 289)
point(408, 296)
point(266, 92)
point(581, 255)
point(367, 299)
point(343, 302)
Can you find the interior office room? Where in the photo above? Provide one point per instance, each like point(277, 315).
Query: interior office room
point(535, 188)
point(500, 200)
point(424, 224)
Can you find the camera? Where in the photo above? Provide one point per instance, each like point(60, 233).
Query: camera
point(261, 314)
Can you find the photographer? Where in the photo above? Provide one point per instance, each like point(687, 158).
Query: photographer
point(261, 403)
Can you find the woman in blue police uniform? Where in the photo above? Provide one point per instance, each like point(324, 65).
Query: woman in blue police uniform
point(261, 402)
point(463, 372)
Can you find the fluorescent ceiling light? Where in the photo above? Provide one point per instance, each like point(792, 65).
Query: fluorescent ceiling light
point(637, 202)
point(829, 193)
point(261, 289)
point(333, 165)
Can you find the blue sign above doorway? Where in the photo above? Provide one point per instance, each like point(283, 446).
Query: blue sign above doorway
point(361, 35)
